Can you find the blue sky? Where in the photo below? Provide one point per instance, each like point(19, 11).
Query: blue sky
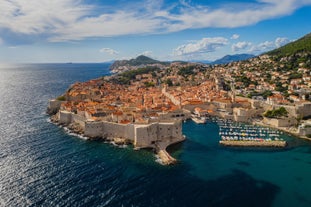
point(102, 30)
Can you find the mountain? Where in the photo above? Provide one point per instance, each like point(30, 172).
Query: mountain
point(140, 60)
point(302, 45)
point(200, 61)
point(232, 58)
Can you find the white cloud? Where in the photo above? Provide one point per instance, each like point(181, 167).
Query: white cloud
point(264, 46)
point(1, 41)
point(280, 41)
point(109, 51)
point(235, 36)
point(38, 17)
point(147, 53)
point(66, 20)
point(270, 45)
point(240, 46)
point(204, 45)
point(234, 15)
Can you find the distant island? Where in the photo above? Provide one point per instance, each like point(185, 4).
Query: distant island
point(145, 101)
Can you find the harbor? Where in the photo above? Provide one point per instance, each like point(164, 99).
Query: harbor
point(246, 135)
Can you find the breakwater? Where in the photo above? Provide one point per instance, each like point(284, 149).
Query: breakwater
point(249, 143)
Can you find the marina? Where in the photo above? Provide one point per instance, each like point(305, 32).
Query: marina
point(247, 135)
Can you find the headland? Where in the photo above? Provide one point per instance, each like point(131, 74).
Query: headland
point(145, 104)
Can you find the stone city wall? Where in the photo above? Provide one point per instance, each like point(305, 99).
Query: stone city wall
point(148, 135)
point(141, 135)
point(93, 129)
point(145, 135)
point(54, 106)
point(304, 110)
point(304, 130)
point(279, 122)
point(109, 130)
point(78, 119)
point(65, 117)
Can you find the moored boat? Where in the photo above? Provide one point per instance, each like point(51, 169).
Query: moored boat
point(199, 120)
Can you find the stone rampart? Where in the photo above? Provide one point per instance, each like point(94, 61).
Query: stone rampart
point(78, 119)
point(141, 135)
point(304, 110)
point(65, 117)
point(284, 122)
point(54, 106)
point(93, 129)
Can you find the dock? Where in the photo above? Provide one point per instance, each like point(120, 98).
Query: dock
point(199, 120)
point(250, 143)
point(165, 157)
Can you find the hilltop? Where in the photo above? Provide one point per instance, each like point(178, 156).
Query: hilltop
point(301, 45)
point(233, 58)
point(140, 61)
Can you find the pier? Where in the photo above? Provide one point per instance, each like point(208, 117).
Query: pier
point(250, 143)
point(164, 156)
point(199, 120)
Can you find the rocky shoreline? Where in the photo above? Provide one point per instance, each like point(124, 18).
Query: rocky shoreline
point(160, 148)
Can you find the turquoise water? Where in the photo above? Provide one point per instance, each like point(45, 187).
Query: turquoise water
point(42, 165)
point(288, 170)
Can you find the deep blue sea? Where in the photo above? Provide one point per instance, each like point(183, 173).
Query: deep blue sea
point(42, 165)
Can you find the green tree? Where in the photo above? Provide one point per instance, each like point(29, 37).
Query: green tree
point(276, 113)
point(61, 98)
point(169, 82)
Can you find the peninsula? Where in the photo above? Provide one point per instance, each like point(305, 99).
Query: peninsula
point(145, 101)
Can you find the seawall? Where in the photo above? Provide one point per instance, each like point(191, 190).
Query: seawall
point(156, 135)
point(242, 143)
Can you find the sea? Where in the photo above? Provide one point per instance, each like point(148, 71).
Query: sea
point(42, 164)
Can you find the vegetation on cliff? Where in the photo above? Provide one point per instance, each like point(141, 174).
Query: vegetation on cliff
point(61, 98)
